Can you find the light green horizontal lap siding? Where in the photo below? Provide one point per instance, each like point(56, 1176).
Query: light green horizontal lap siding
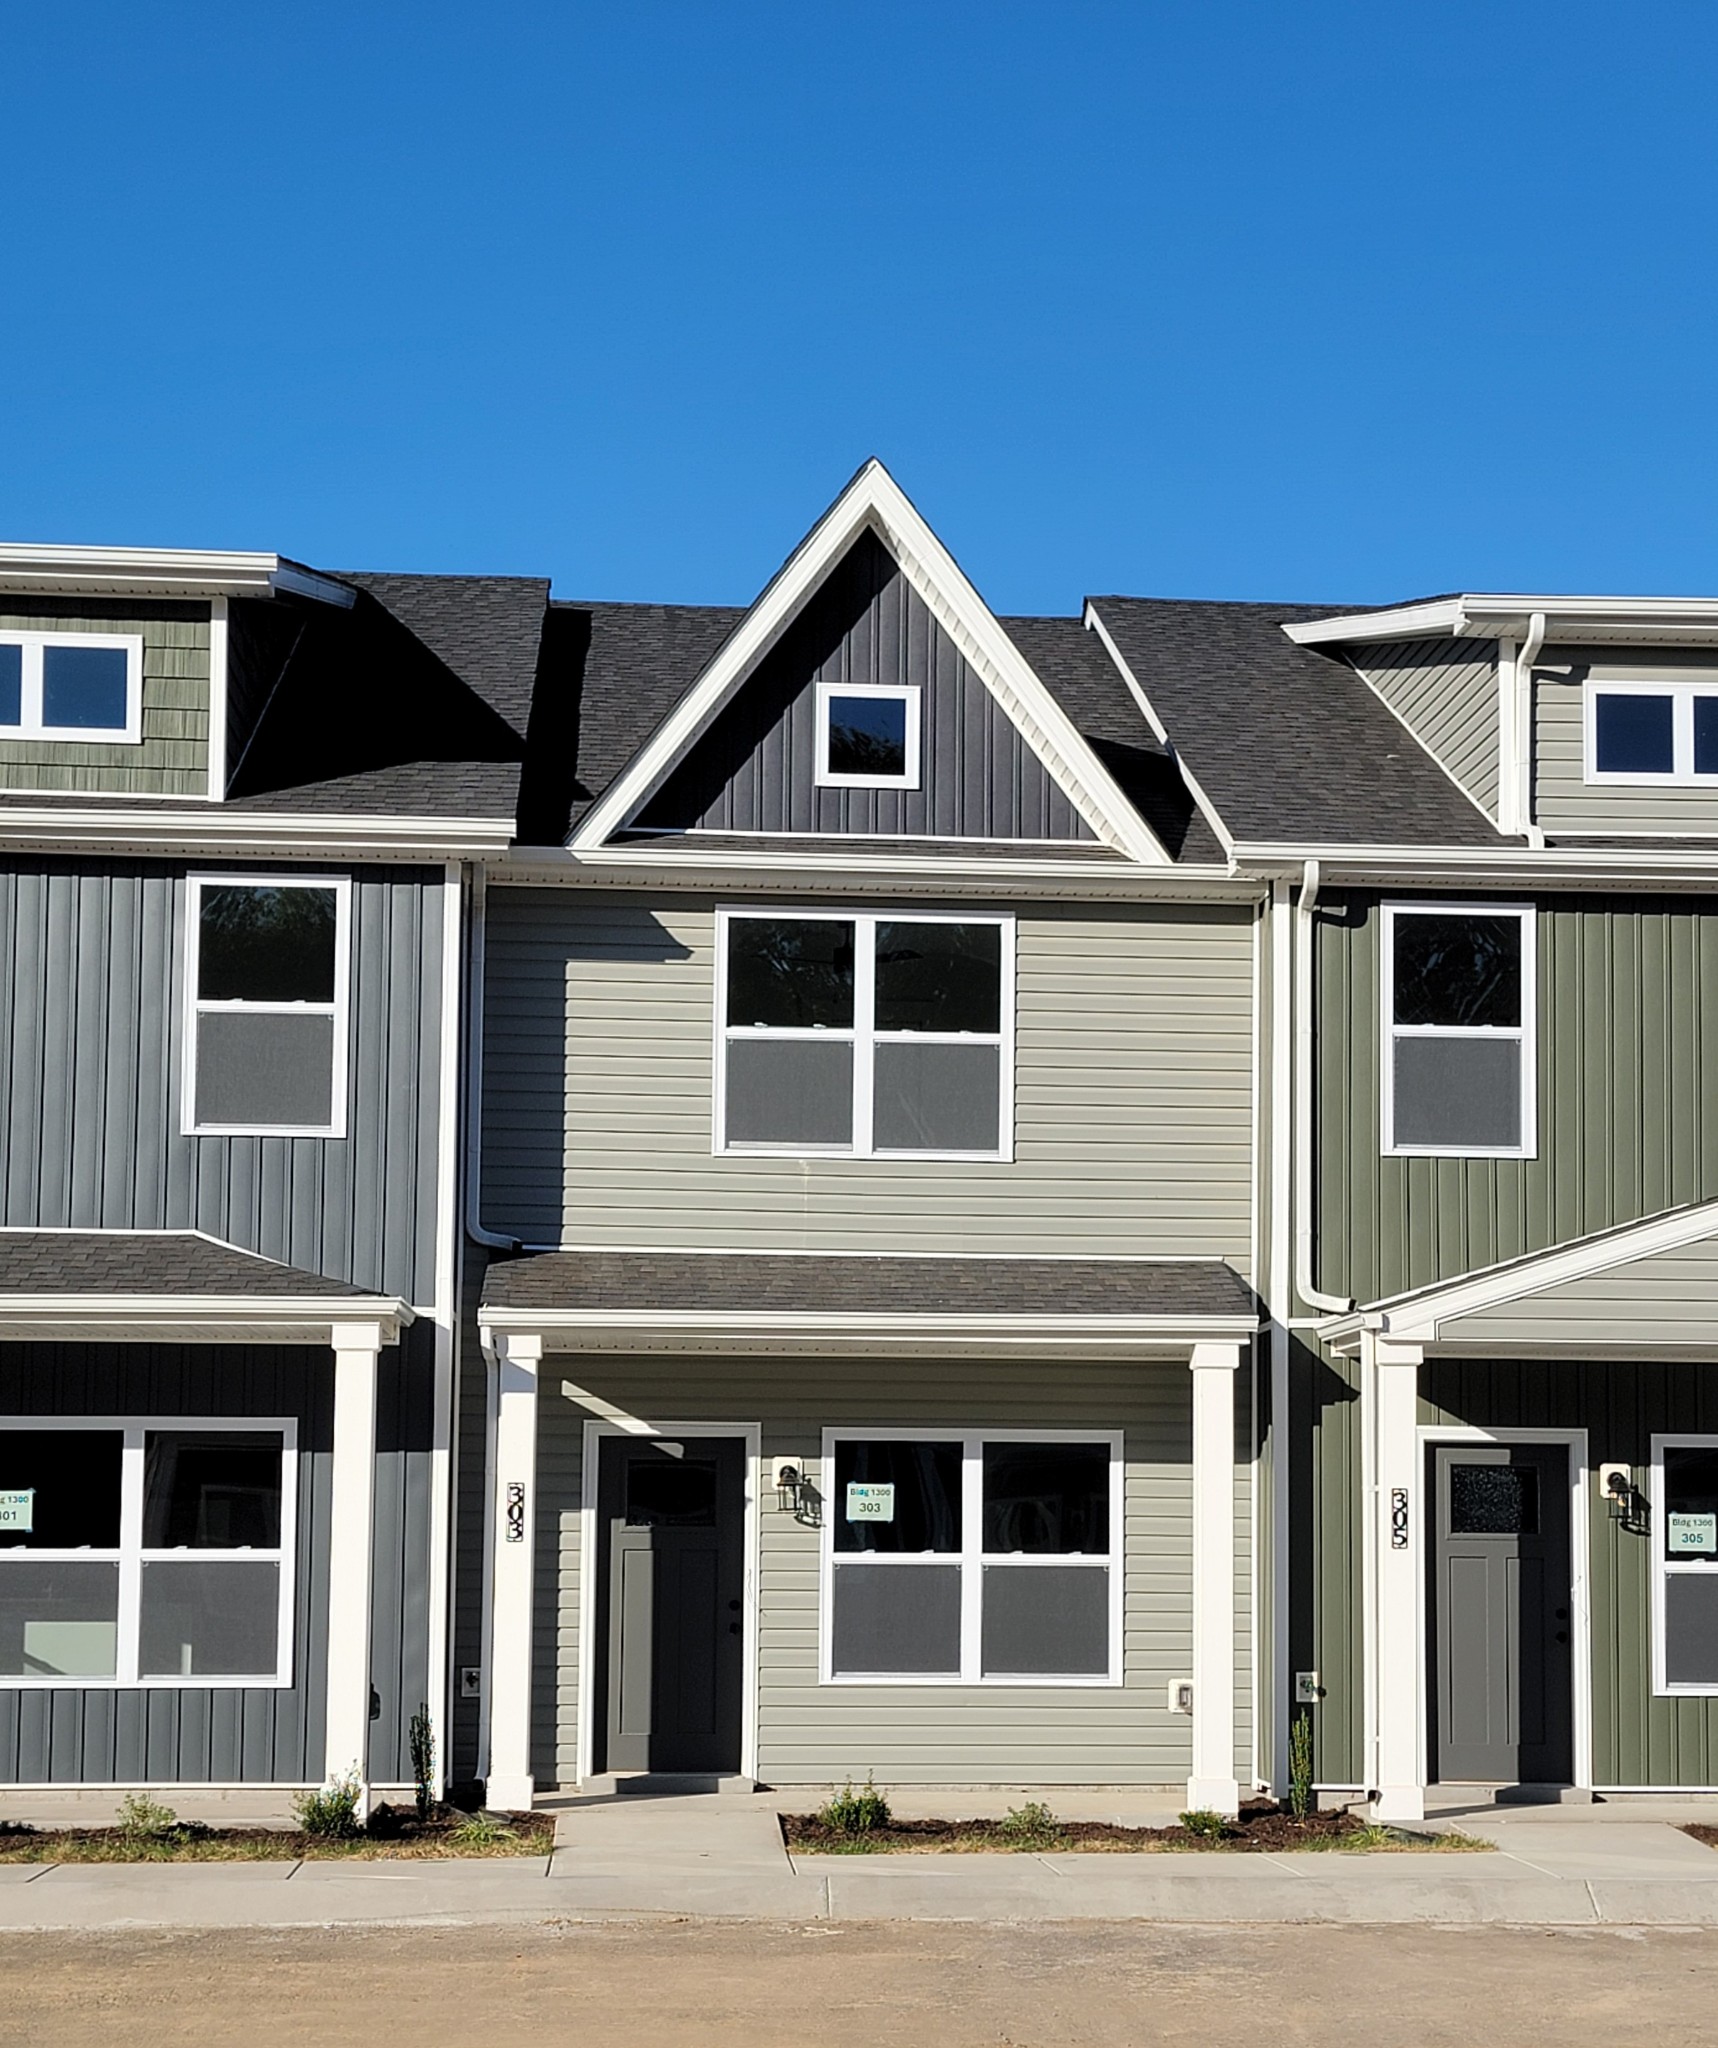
point(1564, 801)
point(1627, 1097)
point(1670, 1298)
point(1445, 692)
point(1637, 1739)
point(173, 757)
point(809, 1733)
point(1133, 1097)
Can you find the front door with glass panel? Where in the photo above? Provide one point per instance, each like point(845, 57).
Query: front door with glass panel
point(1501, 1607)
point(671, 1627)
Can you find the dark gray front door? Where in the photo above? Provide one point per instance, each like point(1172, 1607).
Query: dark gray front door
point(671, 1621)
point(1502, 1705)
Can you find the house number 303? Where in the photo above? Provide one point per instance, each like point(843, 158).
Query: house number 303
point(515, 1510)
point(1398, 1518)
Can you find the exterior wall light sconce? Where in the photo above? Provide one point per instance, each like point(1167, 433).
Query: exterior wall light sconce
point(1628, 1505)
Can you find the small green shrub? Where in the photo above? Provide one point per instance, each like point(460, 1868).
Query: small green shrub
point(1300, 1766)
point(856, 1813)
point(1370, 1834)
point(422, 1737)
point(142, 1819)
point(1032, 1826)
point(483, 1831)
point(331, 1814)
point(1204, 1825)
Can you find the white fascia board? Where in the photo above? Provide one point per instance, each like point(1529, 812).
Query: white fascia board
point(849, 868)
point(1509, 866)
point(786, 1330)
point(1417, 1317)
point(160, 572)
point(873, 499)
point(1094, 623)
point(267, 836)
point(1494, 616)
point(302, 1316)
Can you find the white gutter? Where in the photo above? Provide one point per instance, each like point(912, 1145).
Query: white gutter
point(164, 572)
point(1507, 616)
point(268, 835)
point(1303, 1103)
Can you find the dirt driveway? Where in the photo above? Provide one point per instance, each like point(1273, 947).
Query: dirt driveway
point(707, 1984)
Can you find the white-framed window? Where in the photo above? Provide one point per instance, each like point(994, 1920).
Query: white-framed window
point(267, 981)
point(865, 1034)
point(972, 1557)
point(1684, 1538)
point(1457, 1037)
point(868, 735)
point(1653, 732)
point(71, 686)
point(153, 1551)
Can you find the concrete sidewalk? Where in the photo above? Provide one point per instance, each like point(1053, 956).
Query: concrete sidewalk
point(722, 1857)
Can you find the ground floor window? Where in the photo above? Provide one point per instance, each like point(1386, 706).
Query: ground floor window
point(145, 1552)
point(967, 1557)
point(1685, 1563)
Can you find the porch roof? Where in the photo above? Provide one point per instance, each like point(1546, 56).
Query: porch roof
point(654, 1298)
point(180, 1286)
point(1639, 1290)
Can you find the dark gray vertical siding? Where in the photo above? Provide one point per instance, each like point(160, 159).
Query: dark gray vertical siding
point(185, 1734)
point(91, 1027)
point(755, 770)
point(400, 1617)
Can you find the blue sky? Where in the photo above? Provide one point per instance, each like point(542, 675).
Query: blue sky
point(1323, 301)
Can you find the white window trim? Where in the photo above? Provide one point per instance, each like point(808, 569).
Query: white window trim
point(863, 1036)
point(1526, 1033)
point(339, 1009)
point(1663, 1567)
point(131, 1556)
point(971, 1558)
point(908, 694)
point(31, 726)
point(1682, 692)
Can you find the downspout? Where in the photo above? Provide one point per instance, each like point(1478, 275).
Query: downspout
point(1525, 656)
point(1305, 909)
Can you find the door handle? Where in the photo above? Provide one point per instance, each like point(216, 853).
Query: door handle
point(734, 1608)
point(733, 1628)
point(1562, 1614)
point(1562, 1636)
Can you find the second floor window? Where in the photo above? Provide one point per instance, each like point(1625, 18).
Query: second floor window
point(266, 976)
point(1457, 1041)
point(1652, 732)
point(71, 686)
point(865, 1035)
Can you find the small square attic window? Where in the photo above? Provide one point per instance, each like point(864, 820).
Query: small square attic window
point(867, 736)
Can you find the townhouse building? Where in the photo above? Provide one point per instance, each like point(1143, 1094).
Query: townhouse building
point(850, 1185)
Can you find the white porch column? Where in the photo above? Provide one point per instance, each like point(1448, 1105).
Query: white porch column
point(351, 1551)
point(1398, 1525)
point(517, 1358)
point(1213, 1784)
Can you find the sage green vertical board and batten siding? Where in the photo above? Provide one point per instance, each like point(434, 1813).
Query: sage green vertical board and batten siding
point(1133, 1094)
point(809, 1733)
point(91, 1057)
point(1564, 801)
point(1638, 1740)
point(173, 757)
point(1627, 1097)
point(1445, 692)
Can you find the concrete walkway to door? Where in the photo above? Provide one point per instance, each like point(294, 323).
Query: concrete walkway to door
point(721, 1856)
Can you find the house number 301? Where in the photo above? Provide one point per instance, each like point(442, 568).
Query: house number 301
point(515, 1510)
point(1398, 1518)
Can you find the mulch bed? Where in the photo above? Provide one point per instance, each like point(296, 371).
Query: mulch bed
point(1702, 1831)
point(1263, 1825)
point(392, 1831)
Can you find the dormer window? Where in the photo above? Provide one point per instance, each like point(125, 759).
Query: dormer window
point(867, 736)
point(1652, 732)
point(71, 686)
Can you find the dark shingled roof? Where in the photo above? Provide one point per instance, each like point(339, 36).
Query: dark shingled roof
point(712, 845)
point(487, 629)
point(856, 1283)
point(151, 1262)
point(1287, 742)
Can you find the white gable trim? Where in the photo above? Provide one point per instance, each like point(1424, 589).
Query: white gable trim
point(1419, 1317)
point(873, 499)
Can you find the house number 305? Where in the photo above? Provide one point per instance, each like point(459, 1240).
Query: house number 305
point(1398, 1518)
